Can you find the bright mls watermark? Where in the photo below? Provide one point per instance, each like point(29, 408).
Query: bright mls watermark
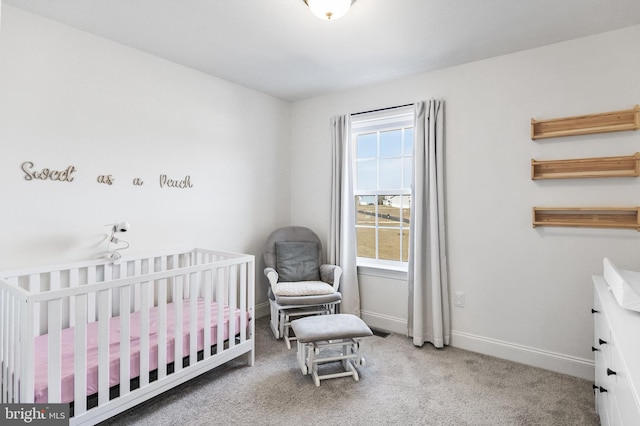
point(34, 414)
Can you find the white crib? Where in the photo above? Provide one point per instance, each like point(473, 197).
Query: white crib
point(106, 337)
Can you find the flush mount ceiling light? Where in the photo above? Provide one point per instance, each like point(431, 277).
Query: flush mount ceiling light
point(329, 9)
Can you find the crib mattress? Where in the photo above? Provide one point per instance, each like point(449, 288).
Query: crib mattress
point(67, 342)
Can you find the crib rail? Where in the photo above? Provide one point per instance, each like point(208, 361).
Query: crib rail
point(92, 295)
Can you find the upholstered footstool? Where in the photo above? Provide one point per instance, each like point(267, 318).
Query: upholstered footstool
point(325, 331)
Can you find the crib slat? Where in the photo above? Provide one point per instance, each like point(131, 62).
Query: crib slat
point(91, 302)
point(206, 289)
point(74, 281)
point(55, 352)
point(80, 355)
point(103, 346)
point(177, 336)
point(34, 287)
point(220, 296)
point(232, 282)
point(251, 274)
point(174, 264)
point(27, 327)
point(243, 302)
point(193, 321)
point(108, 276)
point(125, 339)
point(9, 320)
point(14, 348)
point(144, 334)
point(137, 271)
point(162, 328)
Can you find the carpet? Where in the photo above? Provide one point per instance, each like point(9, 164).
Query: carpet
point(400, 384)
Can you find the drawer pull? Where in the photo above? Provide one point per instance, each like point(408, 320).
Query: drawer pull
point(602, 390)
point(602, 342)
point(593, 311)
point(610, 372)
point(594, 349)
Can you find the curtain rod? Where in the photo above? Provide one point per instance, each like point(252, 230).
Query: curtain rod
point(381, 109)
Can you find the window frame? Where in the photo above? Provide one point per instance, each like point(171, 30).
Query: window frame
point(377, 122)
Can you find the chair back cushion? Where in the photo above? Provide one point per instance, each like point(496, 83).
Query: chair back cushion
point(288, 233)
point(297, 261)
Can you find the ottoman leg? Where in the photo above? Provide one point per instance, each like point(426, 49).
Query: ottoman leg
point(302, 358)
point(312, 364)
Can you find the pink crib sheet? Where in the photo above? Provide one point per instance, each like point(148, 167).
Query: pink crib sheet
point(41, 348)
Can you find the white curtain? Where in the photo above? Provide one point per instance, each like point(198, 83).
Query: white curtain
point(429, 316)
point(342, 232)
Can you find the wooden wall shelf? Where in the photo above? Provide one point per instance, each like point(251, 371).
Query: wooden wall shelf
point(615, 121)
point(588, 217)
point(624, 166)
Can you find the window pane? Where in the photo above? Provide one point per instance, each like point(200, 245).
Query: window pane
point(389, 244)
point(407, 172)
point(366, 174)
point(406, 209)
point(406, 219)
point(408, 141)
point(365, 210)
point(389, 213)
point(390, 173)
point(366, 146)
point(366, 238)
point(405, 245)
point(391, 143)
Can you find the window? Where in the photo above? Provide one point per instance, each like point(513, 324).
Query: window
point(383, 156)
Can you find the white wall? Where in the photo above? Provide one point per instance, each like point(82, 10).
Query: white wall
point(528, 291)
point(68, 98)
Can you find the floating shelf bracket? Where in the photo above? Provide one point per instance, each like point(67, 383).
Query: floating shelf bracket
point(598, 167)
point(615, 121)
point(588, 217)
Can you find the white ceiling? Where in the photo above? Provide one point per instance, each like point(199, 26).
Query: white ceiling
point(280, 48)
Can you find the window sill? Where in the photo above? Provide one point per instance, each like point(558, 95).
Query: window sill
point(384, 271)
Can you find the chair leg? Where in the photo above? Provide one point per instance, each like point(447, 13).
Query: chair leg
point(302, 358)
point(275, 320)
point(286, 326)
point(281, 323)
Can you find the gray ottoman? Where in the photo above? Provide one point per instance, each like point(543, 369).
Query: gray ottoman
point(326, 331)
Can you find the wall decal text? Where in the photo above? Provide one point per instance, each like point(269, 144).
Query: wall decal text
point(44, 174)
point(106, 179)
point(172, 183)
point(138, 182)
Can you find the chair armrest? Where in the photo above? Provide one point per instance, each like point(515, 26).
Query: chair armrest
point(331, 274)
point(271, 275)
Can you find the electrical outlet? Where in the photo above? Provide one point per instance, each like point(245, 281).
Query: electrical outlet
point(459, 299)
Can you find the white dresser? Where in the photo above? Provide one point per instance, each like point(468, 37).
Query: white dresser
point(617, 358)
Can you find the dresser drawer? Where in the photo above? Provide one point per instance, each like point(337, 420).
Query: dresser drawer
point(621, 390)
point(617, 359)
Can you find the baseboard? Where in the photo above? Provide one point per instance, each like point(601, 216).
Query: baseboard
point(560, 363)
point(262, 309)
point(384, 322)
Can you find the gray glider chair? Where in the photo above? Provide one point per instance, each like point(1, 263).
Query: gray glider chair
point(299, 283)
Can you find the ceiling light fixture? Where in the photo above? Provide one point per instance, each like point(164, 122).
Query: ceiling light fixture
point(329, 9)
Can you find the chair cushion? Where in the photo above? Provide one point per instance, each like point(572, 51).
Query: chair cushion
point(303, 288)
point(328, 327)
point(297, 261)
point(299, 301)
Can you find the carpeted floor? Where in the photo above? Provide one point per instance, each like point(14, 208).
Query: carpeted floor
point(399, 385)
